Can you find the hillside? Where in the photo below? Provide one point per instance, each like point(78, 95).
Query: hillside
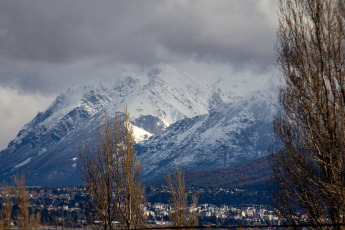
point(249, 175)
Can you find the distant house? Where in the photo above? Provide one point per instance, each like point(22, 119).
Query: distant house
point(149, 213)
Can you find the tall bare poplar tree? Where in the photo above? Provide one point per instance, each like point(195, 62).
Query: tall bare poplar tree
point(25, 221)
point(309, 164)
point(180, 214)
point(22, 200)
point(111, 173)
point(7, 207)
point(130, 191)
point(97, 168)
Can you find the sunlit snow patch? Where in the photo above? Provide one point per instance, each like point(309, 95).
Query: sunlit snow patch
point(141, 135)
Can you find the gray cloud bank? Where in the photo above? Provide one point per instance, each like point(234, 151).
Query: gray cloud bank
point(41, 37)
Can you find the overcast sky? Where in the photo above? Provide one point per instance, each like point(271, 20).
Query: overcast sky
point(48, 45)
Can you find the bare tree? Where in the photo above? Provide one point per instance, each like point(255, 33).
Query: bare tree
point(130, 191)
point(24, 219)
point(22, 201)
point(7, 207)
point(98, 173)
point(309, 162)
point(181, 215)
point(111, 173)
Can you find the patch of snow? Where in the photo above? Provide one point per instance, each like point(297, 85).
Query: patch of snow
point(140, 135)
point(42, 151)
point(23, 163)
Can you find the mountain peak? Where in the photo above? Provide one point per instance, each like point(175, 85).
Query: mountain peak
point(176, 120)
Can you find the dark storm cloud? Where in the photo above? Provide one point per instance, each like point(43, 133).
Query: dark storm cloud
point(41, 37)
point(64, 31)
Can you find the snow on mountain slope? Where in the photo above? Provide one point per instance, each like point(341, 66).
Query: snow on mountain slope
point(146, 94)
point(45, 148)
point(176, 121)
point(231, 133)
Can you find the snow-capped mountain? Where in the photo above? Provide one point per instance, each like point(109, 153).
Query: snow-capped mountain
point(176, 121)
